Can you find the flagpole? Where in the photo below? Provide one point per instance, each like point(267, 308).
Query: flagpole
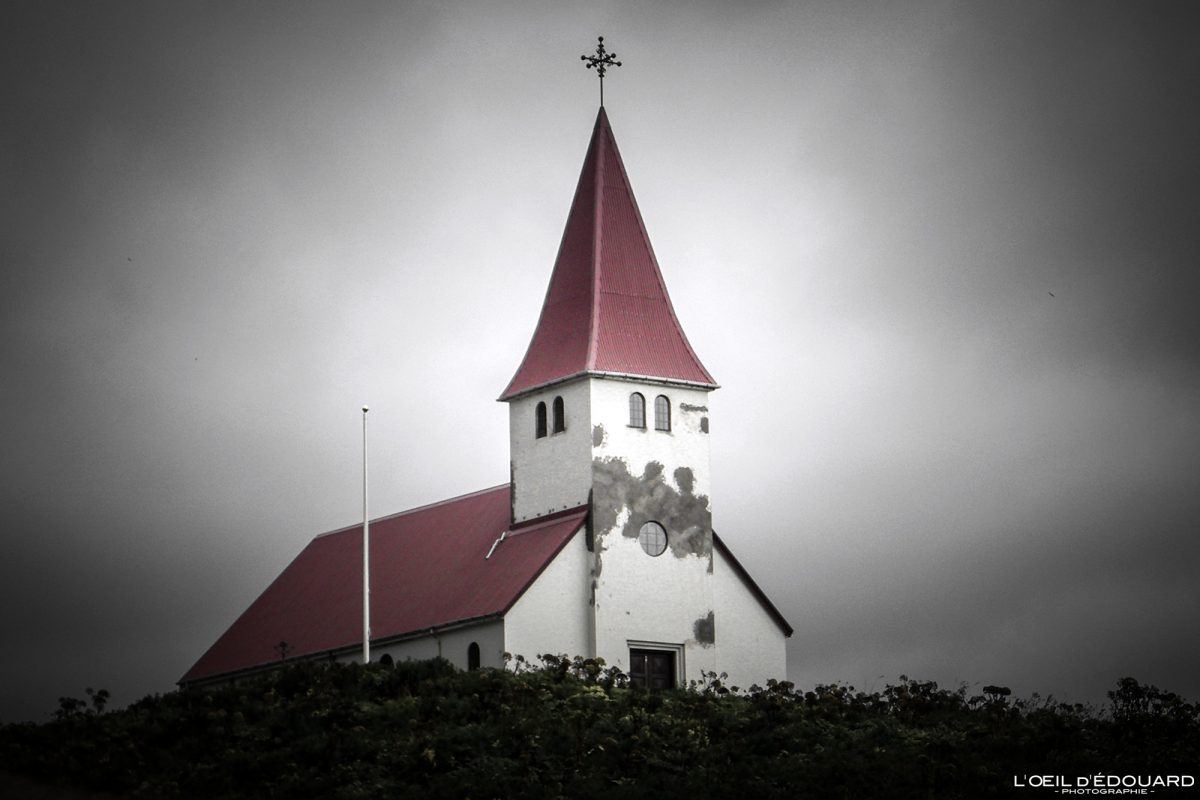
point(366, 548)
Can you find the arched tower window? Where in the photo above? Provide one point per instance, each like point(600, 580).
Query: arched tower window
point(540, 425)
point(560, 417)
point(637, 411)
point(662, 413)
point(473, 656)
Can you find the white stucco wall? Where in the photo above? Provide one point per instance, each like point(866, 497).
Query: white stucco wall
point(750, 645)
point(687, 444)
point(553, 615)
point(663, 600)
point(652, 601)
point(451, 645)
point(554, 472)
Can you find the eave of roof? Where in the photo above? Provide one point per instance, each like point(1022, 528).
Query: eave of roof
point(606, 308)
point(428, 570)
point(616, 376)
point(754, 588)
point(348, 650)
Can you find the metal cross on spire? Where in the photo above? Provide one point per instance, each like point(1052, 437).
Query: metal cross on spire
point(601, 61)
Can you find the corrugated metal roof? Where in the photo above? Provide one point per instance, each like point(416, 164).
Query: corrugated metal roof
point(427, 570)
point(606, 308)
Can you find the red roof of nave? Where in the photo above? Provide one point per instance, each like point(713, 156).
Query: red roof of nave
point(606, 309)
point(427, 570)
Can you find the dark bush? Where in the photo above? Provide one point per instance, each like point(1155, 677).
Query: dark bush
point(562, 727)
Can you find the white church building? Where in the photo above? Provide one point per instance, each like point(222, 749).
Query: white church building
point(601, 544)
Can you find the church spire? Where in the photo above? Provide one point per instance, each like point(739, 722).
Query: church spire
point(606, 312)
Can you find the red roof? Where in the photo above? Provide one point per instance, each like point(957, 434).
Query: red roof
point(428, 569)
point(606, 310)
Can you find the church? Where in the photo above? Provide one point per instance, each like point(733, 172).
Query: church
point(600, 544)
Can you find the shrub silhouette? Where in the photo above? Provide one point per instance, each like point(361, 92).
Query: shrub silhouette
point(559, 726)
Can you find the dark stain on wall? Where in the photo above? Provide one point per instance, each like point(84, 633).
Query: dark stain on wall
point(589, 532)
point(598, 547)
point(684, 514)
point(690, 407)
point(597, 435)
point(512, 491)
point(704, 424)
point(685, 480)
point(705, 629)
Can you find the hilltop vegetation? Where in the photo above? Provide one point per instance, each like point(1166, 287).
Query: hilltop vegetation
point(574, 728)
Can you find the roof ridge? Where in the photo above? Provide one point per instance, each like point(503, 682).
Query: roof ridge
point(597, 226)
point(358, 525)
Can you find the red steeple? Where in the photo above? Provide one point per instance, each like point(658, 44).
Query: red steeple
point(606, 309)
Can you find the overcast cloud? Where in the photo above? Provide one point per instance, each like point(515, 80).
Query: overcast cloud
point(942, 258)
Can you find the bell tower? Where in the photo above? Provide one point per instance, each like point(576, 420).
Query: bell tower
point(609, 408)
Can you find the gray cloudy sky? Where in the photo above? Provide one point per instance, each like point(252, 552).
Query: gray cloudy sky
point(942, 258)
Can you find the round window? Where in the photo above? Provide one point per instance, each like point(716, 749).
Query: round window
point(653, 539)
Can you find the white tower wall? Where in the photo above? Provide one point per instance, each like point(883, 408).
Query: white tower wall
point(640, 475)
point(553, 472)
